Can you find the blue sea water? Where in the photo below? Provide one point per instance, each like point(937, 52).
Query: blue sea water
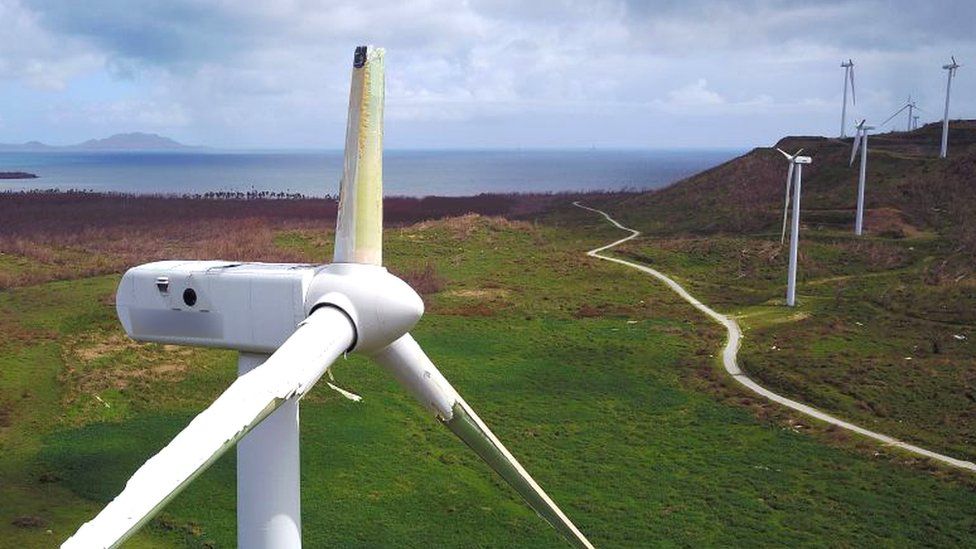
point(407, 173)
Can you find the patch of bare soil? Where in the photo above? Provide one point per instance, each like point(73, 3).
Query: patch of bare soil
point(465, 225)
point(480, 293)
point(889, 222)
point(97, 361)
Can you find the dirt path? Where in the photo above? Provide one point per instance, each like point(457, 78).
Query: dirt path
point(732, 349)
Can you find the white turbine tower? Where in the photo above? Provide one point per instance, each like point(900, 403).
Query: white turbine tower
point(796, 170)
point(289, 323)
point(951, 68)
point(915, 122)
point(848, 77)
point(860, 135)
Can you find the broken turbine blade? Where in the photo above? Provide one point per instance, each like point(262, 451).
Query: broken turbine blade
point(288, 373)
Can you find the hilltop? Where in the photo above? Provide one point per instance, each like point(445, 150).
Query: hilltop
point(134, 141)
point(909, 188)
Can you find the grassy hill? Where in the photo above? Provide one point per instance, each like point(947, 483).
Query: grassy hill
point(885, 330)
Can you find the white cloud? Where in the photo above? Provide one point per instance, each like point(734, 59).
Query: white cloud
point(32, 54)
point(275, 73)
point(695, 94)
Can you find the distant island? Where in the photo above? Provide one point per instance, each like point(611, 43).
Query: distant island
point(17, 175)
point(135, 141)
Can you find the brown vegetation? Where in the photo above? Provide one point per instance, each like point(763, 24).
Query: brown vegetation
point(58, 235)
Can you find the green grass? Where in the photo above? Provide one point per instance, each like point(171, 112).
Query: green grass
point(871, 340)
point(599, 409)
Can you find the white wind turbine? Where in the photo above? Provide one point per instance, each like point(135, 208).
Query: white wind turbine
point(848, 77)
point(911, 107)
point(796, 171)
point(951, 68)
point(289, 323)
point(789, 186)
point(860, 135)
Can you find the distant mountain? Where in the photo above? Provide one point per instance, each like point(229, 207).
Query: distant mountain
point(135, 141)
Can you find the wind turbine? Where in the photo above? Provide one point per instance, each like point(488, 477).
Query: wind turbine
point(289, 323)
point(848, 76)
point(915, 122)
point(861, 134)
point(789, 184)
point(796, 171)
point(911, 107)
point(951, 67)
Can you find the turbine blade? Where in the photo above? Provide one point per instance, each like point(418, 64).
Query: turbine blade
point(287, 374)
point(853, 94)
point(857, 143)
point(359, 226)
point(414, 370)
point(784, 153)
point(899, 111)
point(786, 204)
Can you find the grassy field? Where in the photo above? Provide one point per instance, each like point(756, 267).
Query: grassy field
point(596, 377)
point(885, 328)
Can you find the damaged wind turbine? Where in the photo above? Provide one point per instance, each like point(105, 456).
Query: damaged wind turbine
point(911, 107)
point(289, 323)
point(848, 67)
point(789, 184)
point(860, 139)
point(951, 69)
point(796, 173)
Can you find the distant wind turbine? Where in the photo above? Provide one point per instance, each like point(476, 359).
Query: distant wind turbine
point(911, 107)
point(796, 170)
point(951, 67)
point(861, 134)
point(848, 77)
point(915, 122)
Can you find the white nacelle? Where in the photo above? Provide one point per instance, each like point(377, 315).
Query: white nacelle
point(255, 307)
point(244, 306)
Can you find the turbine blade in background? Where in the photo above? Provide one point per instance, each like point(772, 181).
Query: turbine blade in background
point(288, 373)
point(853, 94)
point(784, 153)
point(786, 205)
point(899, 111)
point(359, 226)
point(408, 363)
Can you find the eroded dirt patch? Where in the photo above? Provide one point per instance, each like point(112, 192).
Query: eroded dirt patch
point(98, 361)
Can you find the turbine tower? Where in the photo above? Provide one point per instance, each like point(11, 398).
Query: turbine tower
point(289, 323)
point(848, 77)
point(861, 135)
point(951, 68)
point(796, 170)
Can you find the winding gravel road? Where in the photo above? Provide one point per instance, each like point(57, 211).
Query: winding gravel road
point(732, 349)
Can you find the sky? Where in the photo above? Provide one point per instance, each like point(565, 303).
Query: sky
point(476, 74)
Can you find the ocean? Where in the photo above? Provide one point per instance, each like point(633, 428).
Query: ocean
point(406, 173)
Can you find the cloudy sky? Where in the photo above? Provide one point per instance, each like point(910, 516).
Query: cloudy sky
point(474, 74)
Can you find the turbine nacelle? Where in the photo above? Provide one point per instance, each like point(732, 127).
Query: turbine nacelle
point(256, 307)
